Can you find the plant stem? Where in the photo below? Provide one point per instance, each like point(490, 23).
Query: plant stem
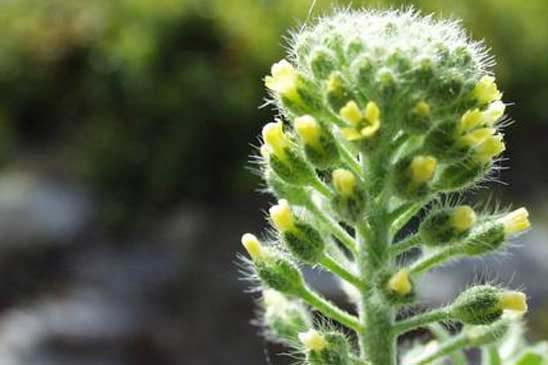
point(339, 232)
point(421, 320)
point(442, 334)
point(406, 244)
point(330, 310)
point(332, 265)
point(427, 262)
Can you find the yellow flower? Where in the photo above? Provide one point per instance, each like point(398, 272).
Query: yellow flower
point(312, 340)
point(486, 90)
point(476, 137)
point(253, 246)
point(490, 148)
point(471, 119)
point(282, 216)
point(309, 130)
point(351, 113)
point(494, 112)
point(400, 284)
point(422, 169)
point(344, 182)
point(516, 221)
point(513, 301)
point(283, 80)
point(463, 218)
point(274, 137)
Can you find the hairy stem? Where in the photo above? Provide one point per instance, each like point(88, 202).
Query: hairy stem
point(330, 310)
point(338, 231)
point(421, 320)
point(428, 262)
point(404, 245)
point(336, 268)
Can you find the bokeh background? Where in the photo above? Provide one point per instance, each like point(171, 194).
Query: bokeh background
point(125, 128)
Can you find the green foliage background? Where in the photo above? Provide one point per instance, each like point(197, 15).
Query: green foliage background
point(152, 101)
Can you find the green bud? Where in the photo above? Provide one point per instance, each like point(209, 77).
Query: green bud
point(446, 225)
point(440, 141)
point(322, 64)
point(305, 243)
point(478, 305)
point(460, 175)
point(338, 92)
point(398, 287)
point(350, 201)
point(386, 82)
point(413, 175)
point(484, 335)
point(284, 318)
point(418, 119)
point(293, 169)
point(278, 273)
point(281, 190)
point(485, 241)
point(336, 352)
point(450, 86)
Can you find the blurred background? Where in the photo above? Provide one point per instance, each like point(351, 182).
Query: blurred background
point(125, 128)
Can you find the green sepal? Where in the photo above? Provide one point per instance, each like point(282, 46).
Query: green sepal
point(295, 170)
point(340, 95)
point(285, 327)
point(337, 351)
point(436, 229)
point(485, 241)
point(350, 209)
point(280, 274)
point(478, 305)
point(295, 195)
point(305, 243)
point(440, 141)
point(322, 64)
point(327, 156)
point(460, 175)
point(403, 185)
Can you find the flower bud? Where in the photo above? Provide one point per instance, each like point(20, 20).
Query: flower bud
point(302, 240)
point(494, 112)
point(349, 203)
point(400, 283)
point(283, 80)
point(486, 90)
point(418, 119)
point(283, 159)
point(253, 246)
point(485, 241)
point(363, 124)
point(329, 348)
point(284, 318)
point(485, 304)
point(319, 146)
point(280, 189)
point(338, 93)
point(413, 176)
point(515, 222)
point(322, 64)
point(460, 175)
point(278, 273)
point(313, 340)
point(447, 225)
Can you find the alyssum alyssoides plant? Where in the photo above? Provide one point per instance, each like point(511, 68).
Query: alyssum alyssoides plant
point(381, 115)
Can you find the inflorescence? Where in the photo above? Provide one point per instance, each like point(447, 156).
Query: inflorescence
point(381, 115)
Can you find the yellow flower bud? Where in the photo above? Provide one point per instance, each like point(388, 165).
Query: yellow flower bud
point(422, 169)
point(312, 340)
point(344, 182)
point(476, 137)
point(372, 112)
point(463, 218)
point(334, 83)
point(422, 109)
point(309, 130)
point(514, 301)
point(253, 246)
point(274, 137)
point(516, 221)
point(489, 148)
point(351, 113)
point(493, 112)
point(400, 284)
point(486, 90)
point(282, 216)
point(283, 79)
point(471, 119)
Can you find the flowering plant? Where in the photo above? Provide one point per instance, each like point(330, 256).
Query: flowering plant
point(382, 115)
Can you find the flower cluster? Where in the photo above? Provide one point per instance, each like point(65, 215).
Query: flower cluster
point(382, 112)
